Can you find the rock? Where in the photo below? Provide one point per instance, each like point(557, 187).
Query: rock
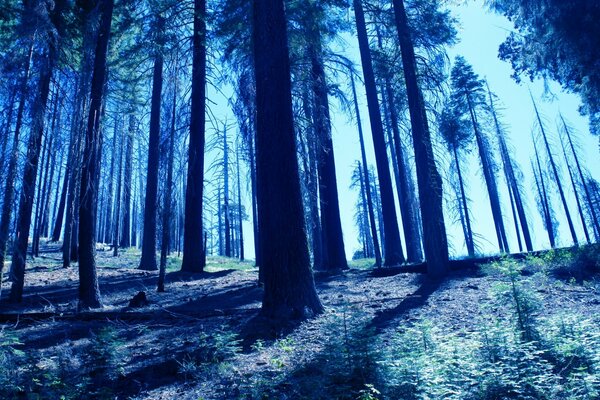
point(139, 300)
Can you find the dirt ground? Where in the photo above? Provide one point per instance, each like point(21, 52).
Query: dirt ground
point(154, 340)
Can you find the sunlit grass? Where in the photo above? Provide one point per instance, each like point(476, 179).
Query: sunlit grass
point(362, 263)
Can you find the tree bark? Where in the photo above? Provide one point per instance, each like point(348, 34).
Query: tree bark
point(556, 176)
point(89, 291)
point(11, 175)
point(32, 159)
point(435, 242)
point(289, 286)
point(148, 261)
point(193, 252)
point(126, 225)
point(366, 177)
point(392, 244)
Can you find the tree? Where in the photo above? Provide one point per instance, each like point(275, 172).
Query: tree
point(455, 132)
point(559, 40)
point(469, 97)
point(366, 177)
point(511, 172)
point(89, 292)
point(435, 242)
point(48, 64)
point(555, 173)
point(583, 180)
point(334, 254)
point(544, 204)
point(289, 287)
point(392, 244)
point(193, 251)
point(148, 260)
point(11, 174)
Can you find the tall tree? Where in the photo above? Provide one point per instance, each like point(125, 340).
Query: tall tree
point(148, 260)
point(583, 180)
point(455, 132)
point(331, 226)
point(193, 251)
point(366, 176)
point(289, 287)
point(392, 244)
point(435, 242)
point(11, 174)
point(555, 173)
point(469, 97)
point(89, 291)
point(511, 171)
point(127, 185)
point(47, 65)
point(543, 199)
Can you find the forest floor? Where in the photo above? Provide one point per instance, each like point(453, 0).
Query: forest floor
point(203, 338)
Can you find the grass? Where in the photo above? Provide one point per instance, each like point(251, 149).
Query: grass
point(362, 263)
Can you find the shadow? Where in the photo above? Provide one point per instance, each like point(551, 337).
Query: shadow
point(416, 300)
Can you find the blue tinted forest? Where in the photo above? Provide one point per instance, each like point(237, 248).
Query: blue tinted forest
point(179, 219)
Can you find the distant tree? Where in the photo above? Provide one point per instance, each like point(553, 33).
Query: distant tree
point(555, 173)
point(468, 95)
point(289, 287)
point(366, 177)
point(457, 136)
point(543, 198)
point(512, 173)
point(361, 213)
point(567, 131)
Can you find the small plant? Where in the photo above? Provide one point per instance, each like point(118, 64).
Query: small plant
point(211, 351)
point(105, 360)
point(369, 393)
point(524, 302)
point(10, 358)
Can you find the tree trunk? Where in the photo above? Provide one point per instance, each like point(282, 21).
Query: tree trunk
point(331, 225)
point(239, 199)
point(166, 222)
point(469, 231)
point(582, 178)
point(89, 292)
point(393, 246)
point(289, 287)
point(117, 217)
point(544, 199)
point(11, 175)
point(556, 176)
point(32, 159)
point(490, 179)
point(366, 177)
point(435, 242)
point(410, 219)
point(126, 225)
point(576, 194)
point(193, 252)
point(148, 261)
point(226, 213)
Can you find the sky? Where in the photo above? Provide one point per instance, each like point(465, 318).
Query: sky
point(480, 34)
